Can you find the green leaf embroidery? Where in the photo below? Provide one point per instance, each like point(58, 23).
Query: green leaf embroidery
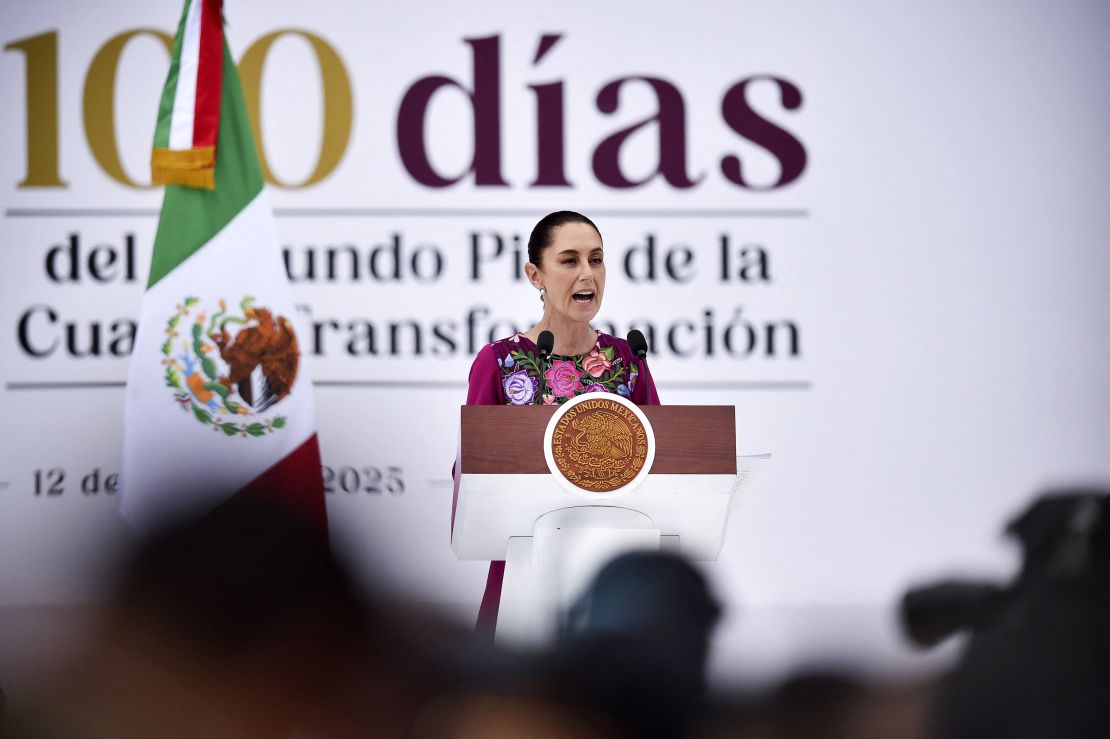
point(215, 317)
point(206, 362)
point(202, 415)
point(529, 359)
point(218, 388)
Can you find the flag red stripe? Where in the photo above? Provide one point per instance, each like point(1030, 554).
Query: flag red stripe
point(210, 64)
point(295, 483)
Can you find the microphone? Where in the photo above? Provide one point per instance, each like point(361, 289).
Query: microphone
point(639, 346)
point(544, 343)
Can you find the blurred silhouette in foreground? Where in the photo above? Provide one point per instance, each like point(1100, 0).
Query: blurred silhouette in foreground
point(824, 702)
point(244, 624)
point(635, 645)
point(240, 625)
point(630, 663)
point(1038, 660)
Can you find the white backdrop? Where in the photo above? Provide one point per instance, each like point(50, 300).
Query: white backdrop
point(934, 278)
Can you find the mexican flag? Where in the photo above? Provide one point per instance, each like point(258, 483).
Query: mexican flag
point(219, 401)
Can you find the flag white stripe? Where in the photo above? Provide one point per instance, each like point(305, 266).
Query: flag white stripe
point(185, 96)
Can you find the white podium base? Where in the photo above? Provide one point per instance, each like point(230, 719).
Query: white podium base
point(546, 572)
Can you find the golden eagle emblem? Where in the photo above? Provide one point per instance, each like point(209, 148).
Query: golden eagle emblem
point(599, 445)
point(603, 435)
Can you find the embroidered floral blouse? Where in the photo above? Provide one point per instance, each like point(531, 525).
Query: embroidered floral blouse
point(509, 372)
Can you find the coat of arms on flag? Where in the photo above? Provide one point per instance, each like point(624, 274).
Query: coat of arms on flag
point(219, 403)
point(229, 368)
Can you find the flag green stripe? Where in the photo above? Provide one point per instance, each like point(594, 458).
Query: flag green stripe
point(191, 217)
point(169, 92)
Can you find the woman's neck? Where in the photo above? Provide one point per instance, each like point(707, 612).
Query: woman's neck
point(571, 337)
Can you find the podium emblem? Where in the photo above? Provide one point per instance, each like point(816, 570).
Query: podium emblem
point(599, 444)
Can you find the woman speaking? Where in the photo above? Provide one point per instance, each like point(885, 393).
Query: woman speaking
point(566, 263)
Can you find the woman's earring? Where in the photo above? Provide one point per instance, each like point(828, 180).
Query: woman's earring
point(543, 291)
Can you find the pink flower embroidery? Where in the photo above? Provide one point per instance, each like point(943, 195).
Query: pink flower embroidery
point(563, 378)
point(596, 363)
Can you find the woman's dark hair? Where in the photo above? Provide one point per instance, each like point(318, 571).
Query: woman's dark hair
point(544, 232)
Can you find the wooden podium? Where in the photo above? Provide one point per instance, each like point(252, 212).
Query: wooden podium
point(515, 505)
